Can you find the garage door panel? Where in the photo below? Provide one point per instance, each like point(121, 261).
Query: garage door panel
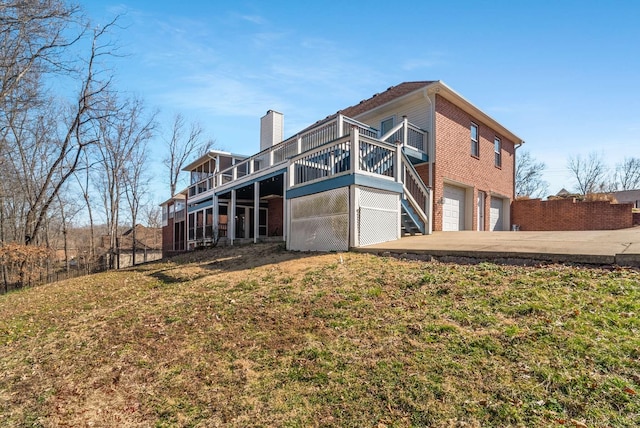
point(496, 214)
point(453, 208)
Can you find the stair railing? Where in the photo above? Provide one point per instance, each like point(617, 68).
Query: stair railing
point(416, 192)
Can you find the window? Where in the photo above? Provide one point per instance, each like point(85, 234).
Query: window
point(386, 125)
point(475, 142)
point(497, 148)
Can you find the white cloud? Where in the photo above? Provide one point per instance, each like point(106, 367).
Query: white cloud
point(222, 95)
point(255, 19)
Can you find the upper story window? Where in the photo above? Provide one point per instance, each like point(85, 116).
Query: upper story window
point(386, 125)
point(203, 171)
point(475, 141)
point(497, 149)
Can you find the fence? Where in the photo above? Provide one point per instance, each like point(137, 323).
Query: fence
point(570, 214)
point(47, 275)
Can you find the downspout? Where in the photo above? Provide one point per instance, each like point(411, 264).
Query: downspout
point(515, 164)
point(513, 197)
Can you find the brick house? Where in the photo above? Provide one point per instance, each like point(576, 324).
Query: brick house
point(415, 158)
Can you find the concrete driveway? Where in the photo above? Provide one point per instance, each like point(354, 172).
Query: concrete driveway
point(620, 247)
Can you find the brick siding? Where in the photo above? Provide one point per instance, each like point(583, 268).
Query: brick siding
point(454, 163)
point(167, 238)
point(569, 214)
point(275, 218)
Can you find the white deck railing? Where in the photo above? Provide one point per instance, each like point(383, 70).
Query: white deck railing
point(407, 134)
point(414, 189)
point(374, 156)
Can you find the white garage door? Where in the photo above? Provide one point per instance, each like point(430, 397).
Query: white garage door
point(496, 214)
point(453, 208)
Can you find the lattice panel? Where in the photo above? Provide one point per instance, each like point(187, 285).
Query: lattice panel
point(378, 217)
point(320, 222)
point(378, 199)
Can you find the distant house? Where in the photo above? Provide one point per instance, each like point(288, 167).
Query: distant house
point(415, 158)
point(148, 246)
point(628, 197)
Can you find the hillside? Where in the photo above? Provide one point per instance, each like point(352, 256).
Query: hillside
point(257, 336)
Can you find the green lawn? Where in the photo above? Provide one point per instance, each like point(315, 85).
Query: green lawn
point(257, 336)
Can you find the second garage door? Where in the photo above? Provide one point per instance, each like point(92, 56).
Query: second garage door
point(453, 208)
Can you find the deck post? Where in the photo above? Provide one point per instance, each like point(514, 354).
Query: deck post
point(216, 219)
point(231, 218)
point(355, 149)
point(340, 125)
point(354, 207)
point(398, 164)
point(285, 211)
point(405, 130)
point(256, 211)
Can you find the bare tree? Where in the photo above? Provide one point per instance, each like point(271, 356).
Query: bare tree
point(153, 216)
point(627, 175)
point(529, 180)
point(136, 175)
point(67, 210)
point(121, 139)
point(44, 146)
point(33, 40)
point(589, 173)
point(83, 178)
point(184, 142)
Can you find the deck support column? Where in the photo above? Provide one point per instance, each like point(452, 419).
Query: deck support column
point(354, 238)
point(256, 211)
point(231, 218)
point(216, 219)
point(285, 213)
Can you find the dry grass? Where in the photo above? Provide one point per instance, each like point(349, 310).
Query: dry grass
point(256, 336)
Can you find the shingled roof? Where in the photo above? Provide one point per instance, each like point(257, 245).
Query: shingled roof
point(375, 101)
point(384, 97)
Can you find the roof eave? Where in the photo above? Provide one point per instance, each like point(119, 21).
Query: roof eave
point(442, 89)
point(211, 154)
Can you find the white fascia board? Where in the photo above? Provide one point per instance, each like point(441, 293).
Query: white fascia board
point(442, 89)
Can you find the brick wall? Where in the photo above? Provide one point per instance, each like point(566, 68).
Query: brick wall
point(568, 214)
point(167, 238)
point(275, 227)
point(454, 163)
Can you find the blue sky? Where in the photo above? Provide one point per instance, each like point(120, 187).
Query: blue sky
point(562, 75)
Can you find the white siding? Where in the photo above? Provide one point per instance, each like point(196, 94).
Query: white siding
point(416, 109)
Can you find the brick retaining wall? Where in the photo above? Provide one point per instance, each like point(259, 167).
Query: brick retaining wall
point(569, 214)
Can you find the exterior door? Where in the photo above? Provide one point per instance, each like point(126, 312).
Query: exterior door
point(481, 198)
point(453, 208)
point(496, 214)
